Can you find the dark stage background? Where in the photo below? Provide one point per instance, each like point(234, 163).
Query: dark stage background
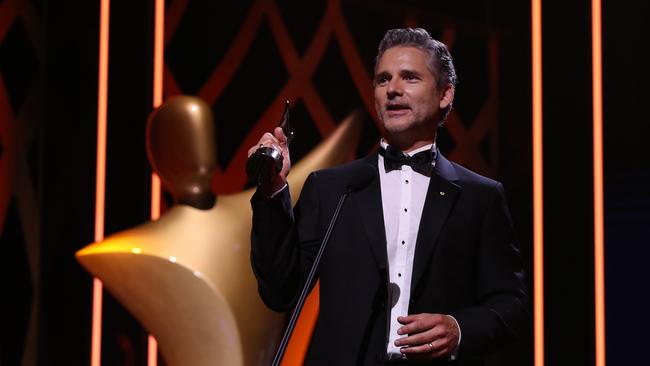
point(244, 58)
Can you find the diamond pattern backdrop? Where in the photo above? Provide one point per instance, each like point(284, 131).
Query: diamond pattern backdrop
point(247, 60)
point(21, 84)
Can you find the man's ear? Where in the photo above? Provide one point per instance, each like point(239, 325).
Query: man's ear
point(447, 96)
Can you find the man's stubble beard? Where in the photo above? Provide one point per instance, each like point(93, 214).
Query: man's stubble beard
point(406, 133)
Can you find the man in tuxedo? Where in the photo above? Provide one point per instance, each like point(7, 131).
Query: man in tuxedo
point(422, 265)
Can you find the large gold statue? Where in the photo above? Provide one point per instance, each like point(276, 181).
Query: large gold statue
point(186, 276)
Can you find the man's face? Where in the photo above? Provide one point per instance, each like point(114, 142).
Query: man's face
point(407, 99)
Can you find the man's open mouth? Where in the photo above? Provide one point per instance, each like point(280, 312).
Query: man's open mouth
point(396, 107)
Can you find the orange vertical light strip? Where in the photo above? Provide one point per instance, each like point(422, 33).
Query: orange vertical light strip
point(158, 48)
point(159, 45)
point(538, 183)
point(152, 353)
point(599, 217)
point(100, 179)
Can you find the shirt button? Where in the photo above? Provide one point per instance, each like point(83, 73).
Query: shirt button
point(407, 181)
point(399, 275)
point(405, 210)
point(403, 242)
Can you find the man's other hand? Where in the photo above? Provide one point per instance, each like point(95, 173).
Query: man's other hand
point(429, 336)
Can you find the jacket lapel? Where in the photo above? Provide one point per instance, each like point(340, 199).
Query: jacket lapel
point(441, 197)
point(368, 202)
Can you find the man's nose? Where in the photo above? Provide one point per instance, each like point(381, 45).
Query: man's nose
point(394, 89)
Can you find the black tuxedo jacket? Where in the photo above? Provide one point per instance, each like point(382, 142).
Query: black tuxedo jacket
point(466, 263)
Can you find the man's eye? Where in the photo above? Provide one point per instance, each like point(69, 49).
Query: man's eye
point(382, 80)
point(410, 77)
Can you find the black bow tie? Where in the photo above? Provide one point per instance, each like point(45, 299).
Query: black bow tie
point(422, 162)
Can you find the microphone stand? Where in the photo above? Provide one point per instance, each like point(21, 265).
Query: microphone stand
point(305, 289)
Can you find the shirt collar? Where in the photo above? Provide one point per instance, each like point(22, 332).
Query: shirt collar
point(431, 147)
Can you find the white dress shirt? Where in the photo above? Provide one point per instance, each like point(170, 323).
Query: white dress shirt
point(403, 193)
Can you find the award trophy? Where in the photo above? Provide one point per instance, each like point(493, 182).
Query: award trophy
point(266, 162)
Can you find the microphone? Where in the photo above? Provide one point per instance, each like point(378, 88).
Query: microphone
point(359, 180)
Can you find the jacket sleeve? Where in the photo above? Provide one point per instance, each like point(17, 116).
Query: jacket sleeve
point(502, 308)
point(284, 242)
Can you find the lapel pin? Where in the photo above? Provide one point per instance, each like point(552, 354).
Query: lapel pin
point(442, 193)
